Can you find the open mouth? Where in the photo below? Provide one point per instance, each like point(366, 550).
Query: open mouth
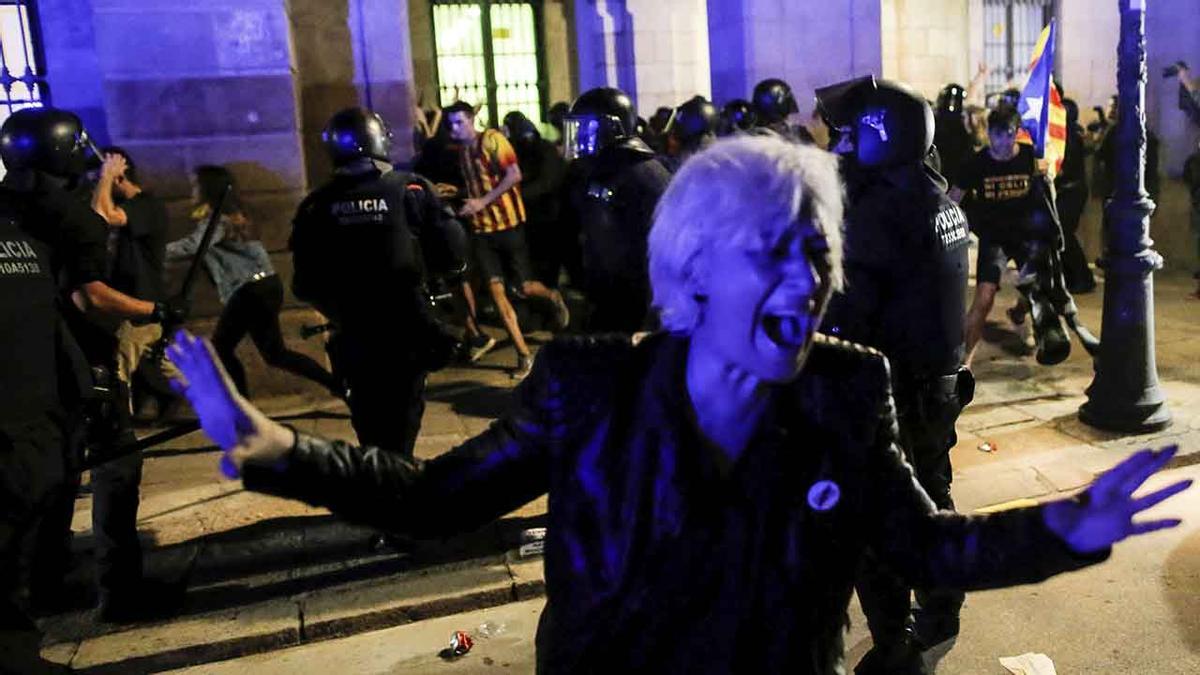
point(786, 331)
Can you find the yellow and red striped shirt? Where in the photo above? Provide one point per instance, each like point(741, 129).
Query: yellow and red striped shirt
point(483, 165)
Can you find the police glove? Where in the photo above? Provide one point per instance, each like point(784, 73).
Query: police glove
point(173, 312)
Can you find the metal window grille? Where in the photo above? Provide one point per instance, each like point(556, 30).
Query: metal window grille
point(22, 75)
point(489, 54)
point(1010, 31)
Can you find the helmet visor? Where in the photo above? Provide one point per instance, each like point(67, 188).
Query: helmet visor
point(581, 137)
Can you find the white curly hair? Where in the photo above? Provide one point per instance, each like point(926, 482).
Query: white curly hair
point(745, 191)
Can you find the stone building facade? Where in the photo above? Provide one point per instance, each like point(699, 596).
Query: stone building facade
point(249, 83)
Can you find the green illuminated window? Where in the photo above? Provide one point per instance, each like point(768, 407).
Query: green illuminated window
point(488, 54)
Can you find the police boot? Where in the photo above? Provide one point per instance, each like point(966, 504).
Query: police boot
point(899, 658)
point(145, 600)
point(1053, 345)
point(20, 648)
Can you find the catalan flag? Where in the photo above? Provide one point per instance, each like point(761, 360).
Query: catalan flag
point(1042, 113)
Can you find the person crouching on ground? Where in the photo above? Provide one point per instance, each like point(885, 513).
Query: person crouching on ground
point(711, 487)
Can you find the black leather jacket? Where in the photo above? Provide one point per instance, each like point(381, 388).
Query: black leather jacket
point(660, 558)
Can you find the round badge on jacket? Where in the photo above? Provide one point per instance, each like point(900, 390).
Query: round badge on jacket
point(824, 495)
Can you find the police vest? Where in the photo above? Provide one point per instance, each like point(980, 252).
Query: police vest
point(29, 323)
point(615, 205)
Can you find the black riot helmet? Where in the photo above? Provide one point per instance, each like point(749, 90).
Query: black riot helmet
point(694, 120)
point(357, 133)
point(773, 100)
point(556, 115)
point(889, 124)
point(50, 140)
point(519, 128)
point(737, 115)
point(952, 99)
point(598, 119)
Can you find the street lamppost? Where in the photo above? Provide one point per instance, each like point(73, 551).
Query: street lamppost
point(1124, 394)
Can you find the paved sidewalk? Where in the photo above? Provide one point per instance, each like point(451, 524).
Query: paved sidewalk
point(264, 573)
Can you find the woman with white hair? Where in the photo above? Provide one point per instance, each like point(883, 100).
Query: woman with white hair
point(712, 488)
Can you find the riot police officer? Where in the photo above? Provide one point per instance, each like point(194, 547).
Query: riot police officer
point(556, 115)
point(45, 151)
point(906, 277)
point(950, 137)
point(773, 102)
point(614, 181)
point(736, 115)
point(34, 408)
point(360, 245)
point(692, 127)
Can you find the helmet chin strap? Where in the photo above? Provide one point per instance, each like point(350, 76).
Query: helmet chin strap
point(91, 145)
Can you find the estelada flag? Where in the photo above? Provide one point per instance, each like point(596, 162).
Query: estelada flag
point(1043, 116)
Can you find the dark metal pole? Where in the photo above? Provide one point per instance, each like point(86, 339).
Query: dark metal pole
point(1124, 394)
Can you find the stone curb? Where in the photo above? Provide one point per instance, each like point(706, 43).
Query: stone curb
point(525, 582)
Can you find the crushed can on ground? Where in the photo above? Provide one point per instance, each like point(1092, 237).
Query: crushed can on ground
point(460, 643)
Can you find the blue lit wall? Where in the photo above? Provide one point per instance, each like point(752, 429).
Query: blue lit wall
point(72, 66)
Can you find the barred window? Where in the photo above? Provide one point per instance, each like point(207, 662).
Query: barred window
point(22, 75)
point(1010, 31)
point(489, 54)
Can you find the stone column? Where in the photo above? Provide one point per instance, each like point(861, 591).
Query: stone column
point(383, 73)
point(807, 44)
point(654, 50)
point(188, 83)
point(351, 53)
point(1125, 395)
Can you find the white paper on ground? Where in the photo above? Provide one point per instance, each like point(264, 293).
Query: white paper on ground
point(1028, 664)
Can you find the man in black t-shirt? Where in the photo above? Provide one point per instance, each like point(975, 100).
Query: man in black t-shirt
point(994, 186)
point(1011, 209)
point(137, 240)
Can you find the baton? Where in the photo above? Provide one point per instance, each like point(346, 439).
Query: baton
point(93, 460)
point(158, 352)
point(189, 280)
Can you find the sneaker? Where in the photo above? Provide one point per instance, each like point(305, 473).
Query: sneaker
point(478, 346)
point(1054, 346)
point(1016, 314)
point(562, 315)
point(524, 366)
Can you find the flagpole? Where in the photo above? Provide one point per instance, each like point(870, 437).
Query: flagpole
point(1125, 394)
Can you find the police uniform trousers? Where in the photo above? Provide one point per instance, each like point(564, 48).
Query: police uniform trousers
point(117, 478)
point(386, 383)
point(31, 475)
point(926, 414)
point(1071, 203)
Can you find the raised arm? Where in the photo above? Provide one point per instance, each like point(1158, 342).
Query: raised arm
point(944, 549)
point(481, 480)
point(187, 246)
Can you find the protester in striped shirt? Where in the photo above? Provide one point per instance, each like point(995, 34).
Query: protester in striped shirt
point(497, 214)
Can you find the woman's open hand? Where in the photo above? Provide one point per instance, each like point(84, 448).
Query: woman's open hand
point(243, 431)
